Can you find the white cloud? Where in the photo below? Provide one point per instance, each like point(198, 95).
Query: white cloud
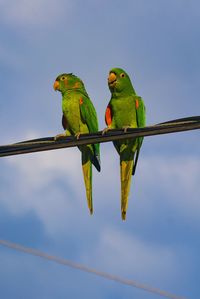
point(37, 171)
point(177, 178)
point(33, 12)
point(137, 259)
point(49, 184)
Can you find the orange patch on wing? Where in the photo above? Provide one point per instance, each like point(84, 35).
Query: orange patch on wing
point(76, 85)
point(108, 115)
point(137, 103)
point(81, 101)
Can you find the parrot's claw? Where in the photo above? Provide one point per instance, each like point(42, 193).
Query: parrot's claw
point(125, 128)
point(59, 136)
point(77, 135)
point(105, 130)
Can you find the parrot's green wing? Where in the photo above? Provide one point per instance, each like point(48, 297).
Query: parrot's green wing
point(140, 112)
point(89, 116)
point(141, 122)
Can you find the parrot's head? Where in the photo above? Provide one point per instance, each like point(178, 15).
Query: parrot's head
point(66, 82)
point(119, 81)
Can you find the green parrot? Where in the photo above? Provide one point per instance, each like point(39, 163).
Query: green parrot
point(79, 117)
point(125, 110)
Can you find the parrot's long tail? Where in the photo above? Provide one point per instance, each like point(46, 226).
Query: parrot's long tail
point(126, 168)
point(87, 174)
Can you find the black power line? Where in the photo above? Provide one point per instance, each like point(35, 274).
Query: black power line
point(48, 143)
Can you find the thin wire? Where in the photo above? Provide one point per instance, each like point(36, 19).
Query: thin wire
point(81, 267)
point(48, 143)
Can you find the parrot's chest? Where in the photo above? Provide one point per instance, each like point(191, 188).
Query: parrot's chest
point(124, 113)
point(71, 110)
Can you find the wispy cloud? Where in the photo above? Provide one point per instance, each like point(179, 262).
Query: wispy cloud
point(128, 255)
point(32, 12)
point(177, 180)
point(49, 184)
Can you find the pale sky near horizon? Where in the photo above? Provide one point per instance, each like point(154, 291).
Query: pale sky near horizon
point(42, 195)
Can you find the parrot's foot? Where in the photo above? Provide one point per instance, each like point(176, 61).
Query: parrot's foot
point(123, 215)
point(59, 136)
point(125, 128)
point(77, 135)
point(105, 130)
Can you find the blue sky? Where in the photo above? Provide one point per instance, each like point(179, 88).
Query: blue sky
point(42, 195)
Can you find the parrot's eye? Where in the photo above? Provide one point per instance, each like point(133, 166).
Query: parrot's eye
point(122, 75)
point(63, 78)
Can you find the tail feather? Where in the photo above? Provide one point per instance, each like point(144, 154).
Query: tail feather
point(95, 155)
point(126, 168)
point(139, 144)
point(87, 174)
point(96, 162)
point(135, 162)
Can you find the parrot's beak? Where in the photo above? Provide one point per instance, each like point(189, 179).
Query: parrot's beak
point(56, 85)
point(112, 78)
